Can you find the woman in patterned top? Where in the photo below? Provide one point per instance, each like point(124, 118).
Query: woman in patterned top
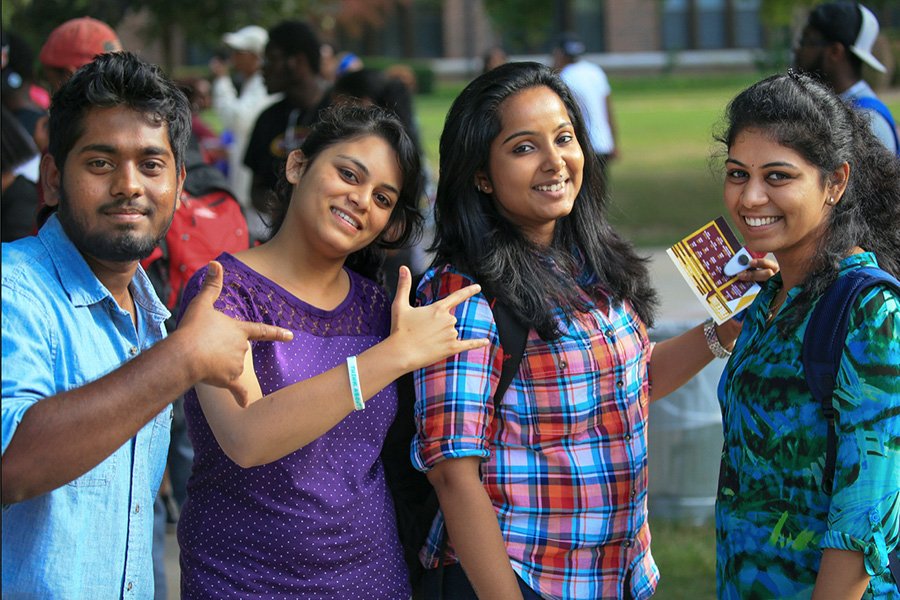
point(547, 497)
point(806, 180)
point(287, 497)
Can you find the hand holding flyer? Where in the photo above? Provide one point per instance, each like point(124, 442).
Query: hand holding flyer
point(701, 258)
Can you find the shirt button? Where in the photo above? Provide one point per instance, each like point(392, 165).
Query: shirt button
point(133, 350)
point(608, 333)
point(627, 437)
point(563, 364)
point(137, 508)
point(620, 384)
point(129, 586)
point(627, 543)
point(633, 494)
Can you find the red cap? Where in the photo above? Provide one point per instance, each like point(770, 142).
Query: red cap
point(75, 43)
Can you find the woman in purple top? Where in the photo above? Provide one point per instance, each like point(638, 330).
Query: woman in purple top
point(287, 498)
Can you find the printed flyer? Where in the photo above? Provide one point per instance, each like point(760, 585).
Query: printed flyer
point(701, 257)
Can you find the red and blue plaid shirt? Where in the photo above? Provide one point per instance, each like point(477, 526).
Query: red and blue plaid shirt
point(565, 460)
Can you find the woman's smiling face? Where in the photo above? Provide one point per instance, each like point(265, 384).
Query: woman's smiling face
point(779, 201)
point(536, 163)
point(344, 197)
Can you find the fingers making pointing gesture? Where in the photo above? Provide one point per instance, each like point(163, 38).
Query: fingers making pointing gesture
point(428, 333)
point(220, 359)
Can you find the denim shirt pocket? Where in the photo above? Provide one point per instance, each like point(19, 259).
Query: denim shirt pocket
point(100, 475)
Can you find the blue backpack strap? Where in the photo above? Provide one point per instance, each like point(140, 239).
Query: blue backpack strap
point(823, 345)
point(872, 103)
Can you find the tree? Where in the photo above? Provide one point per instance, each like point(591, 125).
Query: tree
point(523, 24)
point(35, 20)
point(200, 21)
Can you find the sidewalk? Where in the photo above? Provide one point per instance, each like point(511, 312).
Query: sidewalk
point(677, 306)
point(677, 303)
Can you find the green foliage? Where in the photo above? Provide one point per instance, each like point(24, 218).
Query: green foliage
point(780, 13)
point(200, 21)
point(10, 7)
point(34, 20)
point(521, 23)
point(204, 21)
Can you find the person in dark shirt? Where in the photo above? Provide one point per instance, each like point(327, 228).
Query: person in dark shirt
point(19, 194)
point(292, 66)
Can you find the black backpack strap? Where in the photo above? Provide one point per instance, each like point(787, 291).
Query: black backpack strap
point(512, 335)
point(823, 345)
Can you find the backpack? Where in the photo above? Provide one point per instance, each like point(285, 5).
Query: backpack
point(823, 345)
point(203, 227)
point(415, 501)
point(872, 103)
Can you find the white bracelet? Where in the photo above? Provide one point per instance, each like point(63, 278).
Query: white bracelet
point(712, 340)
point(355, 389)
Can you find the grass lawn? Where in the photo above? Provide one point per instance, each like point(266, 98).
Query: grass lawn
point(686, 557)
point(664, 184)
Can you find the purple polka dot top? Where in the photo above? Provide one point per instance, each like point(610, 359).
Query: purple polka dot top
point(318, 523)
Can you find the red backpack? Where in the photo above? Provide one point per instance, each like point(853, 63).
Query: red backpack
point(203, 227)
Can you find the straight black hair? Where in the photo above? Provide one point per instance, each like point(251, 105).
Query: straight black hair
point(471, 234)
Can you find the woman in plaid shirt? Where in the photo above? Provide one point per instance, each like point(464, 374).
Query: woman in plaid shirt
point(546, 498)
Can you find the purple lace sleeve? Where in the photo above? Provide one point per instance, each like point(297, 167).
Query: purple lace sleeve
point(231, 302)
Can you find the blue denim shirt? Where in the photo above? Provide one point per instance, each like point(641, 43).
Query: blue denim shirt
point(92, 537)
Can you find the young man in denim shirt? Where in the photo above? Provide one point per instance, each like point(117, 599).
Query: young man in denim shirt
point(87, 377)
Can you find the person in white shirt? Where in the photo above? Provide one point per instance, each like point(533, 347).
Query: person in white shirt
point(238, 110)
point(591, 89)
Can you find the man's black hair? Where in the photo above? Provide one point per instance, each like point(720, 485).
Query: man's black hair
point(118, 79)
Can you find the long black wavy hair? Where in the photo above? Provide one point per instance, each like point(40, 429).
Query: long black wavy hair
point(476, 238)
point(344, 122)
point(801, 113)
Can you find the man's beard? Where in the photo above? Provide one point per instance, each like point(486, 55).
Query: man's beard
point(124, 245)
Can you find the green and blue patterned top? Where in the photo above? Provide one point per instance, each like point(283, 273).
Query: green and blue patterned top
point(772, 518)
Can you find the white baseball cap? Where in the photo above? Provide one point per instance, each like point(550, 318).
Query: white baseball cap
point(865, 39)
point(851, 24)
point(251, 38)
